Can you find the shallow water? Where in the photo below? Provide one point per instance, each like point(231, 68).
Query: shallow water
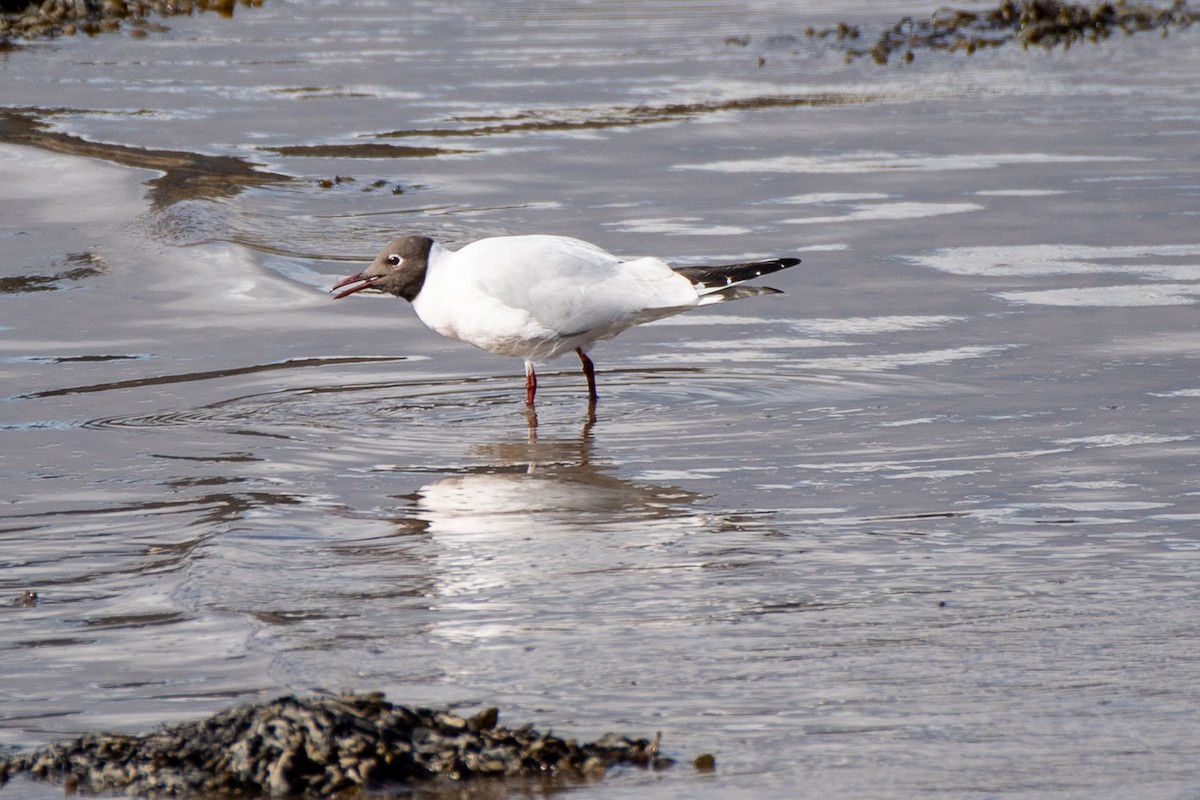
point(927, 523)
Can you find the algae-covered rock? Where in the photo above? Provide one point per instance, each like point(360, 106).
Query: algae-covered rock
point(320, 745)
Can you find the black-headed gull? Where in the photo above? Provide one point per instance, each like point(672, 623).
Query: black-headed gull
point(537, 297)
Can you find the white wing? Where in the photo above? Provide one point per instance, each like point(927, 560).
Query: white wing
point(571, 288)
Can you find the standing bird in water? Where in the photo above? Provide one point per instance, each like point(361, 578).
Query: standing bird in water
point(537, 297)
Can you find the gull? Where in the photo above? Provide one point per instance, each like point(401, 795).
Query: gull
point(538, 296)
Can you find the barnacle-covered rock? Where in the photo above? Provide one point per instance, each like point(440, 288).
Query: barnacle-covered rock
point(320, 745)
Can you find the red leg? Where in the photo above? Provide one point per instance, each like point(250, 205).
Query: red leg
point(530, 384)
point(589, 372)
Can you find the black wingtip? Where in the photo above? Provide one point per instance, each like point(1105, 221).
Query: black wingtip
point(729, 274)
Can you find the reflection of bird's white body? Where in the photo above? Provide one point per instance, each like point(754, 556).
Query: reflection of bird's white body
point(537, 297)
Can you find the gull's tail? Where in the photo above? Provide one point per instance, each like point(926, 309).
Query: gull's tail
point(722, 283)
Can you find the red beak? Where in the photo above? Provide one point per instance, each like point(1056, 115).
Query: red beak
point(356, 283)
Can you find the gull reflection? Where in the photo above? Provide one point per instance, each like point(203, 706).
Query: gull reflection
point(542, 486)
point(521, 530)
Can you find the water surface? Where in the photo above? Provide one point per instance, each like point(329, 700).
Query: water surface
point(926, 523)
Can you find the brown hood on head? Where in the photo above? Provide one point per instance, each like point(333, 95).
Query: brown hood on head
point(399, 270)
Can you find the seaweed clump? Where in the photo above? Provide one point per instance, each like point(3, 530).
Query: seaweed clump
point(40, 19)
point(1040, 23)
point(1044, 23)
point(319, 746)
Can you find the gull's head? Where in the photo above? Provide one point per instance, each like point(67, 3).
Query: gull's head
point(399, 269)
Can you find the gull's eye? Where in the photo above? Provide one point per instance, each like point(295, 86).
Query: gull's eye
point(394, 260)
